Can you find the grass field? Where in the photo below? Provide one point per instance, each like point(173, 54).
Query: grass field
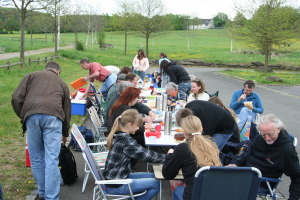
point(210, 45)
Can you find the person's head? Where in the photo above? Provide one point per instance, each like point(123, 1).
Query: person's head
point(269, 127)
point(126, 70)
point(217, 101)
point(198, 86)
point(171, 89)
point(164, 66)
point(123, 85)
point(121, 78)
point(141, 54)
point(133, 78)
point(248, 87)
point(182, 113)
point(128, 97)
point(162, 55)
point(204, 149)
point(130, 120)
point(84, 63)
point(53, 66)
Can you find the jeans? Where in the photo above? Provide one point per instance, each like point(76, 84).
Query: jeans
point(186, 87)
point(178, 193)
point(244, 116)
point(108, 83)
point(44, 143)
point(140, 182)
point(221, 139)
point(141, 74)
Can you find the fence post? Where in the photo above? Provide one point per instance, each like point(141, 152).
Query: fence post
point(29, 61)
point(8, 64)
point(51, 58)
point(38, 60)
point(46, 59)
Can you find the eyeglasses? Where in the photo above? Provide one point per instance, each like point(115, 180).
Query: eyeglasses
point(267, 134)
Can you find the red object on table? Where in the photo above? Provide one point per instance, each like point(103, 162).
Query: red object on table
point(156, 134)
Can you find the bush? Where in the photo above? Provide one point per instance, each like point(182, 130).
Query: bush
point(79, 46)
point(101, 38)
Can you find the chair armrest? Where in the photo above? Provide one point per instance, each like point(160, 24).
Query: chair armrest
point(119, 181)
point(100, 153)
point(104, 129)
point(265, 179)
point(97, 143)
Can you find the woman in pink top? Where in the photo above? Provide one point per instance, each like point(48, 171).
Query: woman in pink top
point(98, 72)
point(140, 64)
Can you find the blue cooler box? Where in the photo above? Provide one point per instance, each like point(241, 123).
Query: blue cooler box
point(78, 107)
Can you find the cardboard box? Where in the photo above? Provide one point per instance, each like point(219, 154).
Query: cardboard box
point(78, 107)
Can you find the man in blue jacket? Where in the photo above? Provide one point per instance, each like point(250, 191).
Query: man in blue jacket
point(246, 103)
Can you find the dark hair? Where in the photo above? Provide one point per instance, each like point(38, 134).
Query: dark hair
point(199, 82)
point(140, 57)
point(130, 77)
point(84, 60)
point(126, 96)
point(52, 65)
point(182, 114)
point(125, 70)
point(164, 66)
point(217, 101)
point(162, 54)
point(249, 83)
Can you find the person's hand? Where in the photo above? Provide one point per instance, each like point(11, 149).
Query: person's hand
point(242, 97)
point(147, 119)
point(249, 106)
point(64, 139)
point(169, 102)
point(85, 78)
point(231, 165)
point(170, 151)
point(152, 115)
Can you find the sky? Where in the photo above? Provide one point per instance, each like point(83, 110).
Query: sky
point(204, 9)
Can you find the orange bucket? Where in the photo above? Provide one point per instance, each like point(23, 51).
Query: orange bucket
point(78, 83)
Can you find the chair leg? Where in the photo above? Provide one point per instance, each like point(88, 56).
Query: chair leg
point(86, 177)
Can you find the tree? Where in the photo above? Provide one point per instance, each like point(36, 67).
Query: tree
point(271, 24)
point(23, 6)
point(149, 20)
point(220, 20)
point(196, 21)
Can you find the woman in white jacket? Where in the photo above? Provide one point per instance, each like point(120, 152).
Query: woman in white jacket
point(198, 91)
point(140, 64)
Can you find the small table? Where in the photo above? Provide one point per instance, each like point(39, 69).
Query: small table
point(157, 169)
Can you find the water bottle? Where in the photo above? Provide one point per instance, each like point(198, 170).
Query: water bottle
point(165, 102)
point(158, 102)
point(168, 123)
point(177, 107)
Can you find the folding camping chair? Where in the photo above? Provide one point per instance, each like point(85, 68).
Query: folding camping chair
point(270, 192)
point(227, 183)
point(216, 94)
point(99, 102)
point(100, 158)
point(100, 188)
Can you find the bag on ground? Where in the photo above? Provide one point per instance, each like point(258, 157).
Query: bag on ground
point(87, 135)
point(67, 165)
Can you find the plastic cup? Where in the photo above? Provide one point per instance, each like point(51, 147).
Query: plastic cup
point(157, 128)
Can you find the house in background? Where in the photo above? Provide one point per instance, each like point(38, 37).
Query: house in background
point(206, 24)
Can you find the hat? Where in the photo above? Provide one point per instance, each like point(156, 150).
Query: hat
point(121, 77)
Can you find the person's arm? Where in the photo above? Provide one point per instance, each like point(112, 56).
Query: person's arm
point(235, 101)
point(134, 62)
point(258, 107)
point(173, 77)
point(145, 64)
point(19, 95)
point(173, 163)
point(142, 108)
point(190, 98)
point(67, 111)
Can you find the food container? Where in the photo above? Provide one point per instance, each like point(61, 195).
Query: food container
point(78, 107)
point(78, 83)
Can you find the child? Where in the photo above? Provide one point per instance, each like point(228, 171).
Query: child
point(198, 151)
point(123, 148)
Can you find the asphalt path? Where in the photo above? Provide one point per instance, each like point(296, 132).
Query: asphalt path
point(283, 101)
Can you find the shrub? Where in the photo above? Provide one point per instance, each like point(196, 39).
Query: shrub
point(79, 46)
point(101, 38)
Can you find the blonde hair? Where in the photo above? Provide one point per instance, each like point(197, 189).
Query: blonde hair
point(129, 116)
point(205, 150)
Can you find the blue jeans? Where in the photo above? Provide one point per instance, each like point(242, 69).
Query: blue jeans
point(186, 87)
point(108, 83)
point(44, 143)
point(178, 193)
point(141, 74)
point(140, 182)
point(221, 139)
point(244, 116)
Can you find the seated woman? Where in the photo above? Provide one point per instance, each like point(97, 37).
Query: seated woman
point(174, 93)
point(122, 148)
point(198, 91)
point(178, 75)
point(197, 151)
point(127, 100)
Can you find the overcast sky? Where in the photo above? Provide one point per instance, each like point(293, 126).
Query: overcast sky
point(204, 9)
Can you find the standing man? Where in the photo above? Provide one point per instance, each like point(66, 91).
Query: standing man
point(273, 153)
point(246, 104)
point(98, 72)
point(42, 102)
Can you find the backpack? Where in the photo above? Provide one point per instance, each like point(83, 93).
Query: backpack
point(67, 165)
point(87, 135)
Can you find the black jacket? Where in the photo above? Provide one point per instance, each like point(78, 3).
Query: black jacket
point(177, 74)
point(275, 159)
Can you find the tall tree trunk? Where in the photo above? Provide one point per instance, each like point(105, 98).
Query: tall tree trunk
point(55, 30)
point(22, 53)
point(125, 48)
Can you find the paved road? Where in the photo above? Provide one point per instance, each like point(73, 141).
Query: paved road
point(280, 100)
point(31, 52)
